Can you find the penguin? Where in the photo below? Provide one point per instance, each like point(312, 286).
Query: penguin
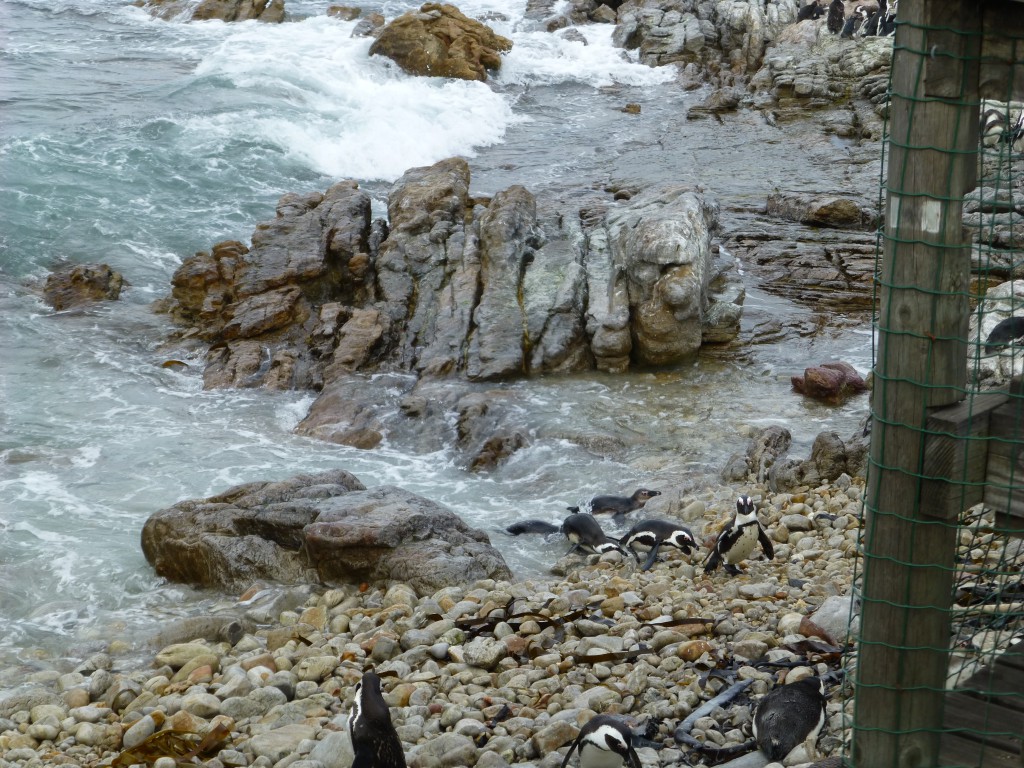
point(857, 18)
point(374, 740)
point(651, 534)
point(618, 506)
point(812, 10)
point(582, 531)
point(993, 127)
point(870, 27)
point(1005, 333)
point(789, 715)
point(737, 540)
point(1017, 131)
point(836, 16)
point(887, 19)
point(604, 742)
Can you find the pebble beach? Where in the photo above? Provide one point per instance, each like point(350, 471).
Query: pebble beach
point(490, 674)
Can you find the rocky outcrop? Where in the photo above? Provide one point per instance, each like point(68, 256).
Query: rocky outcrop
point(222, 10)
point(457, 286)
point(725, 40)
point(829, 382)
point(439, 41)
point(317, 528)
point(74, 286)
point(836, 211)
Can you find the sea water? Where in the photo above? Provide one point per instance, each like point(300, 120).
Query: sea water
point(135, 142)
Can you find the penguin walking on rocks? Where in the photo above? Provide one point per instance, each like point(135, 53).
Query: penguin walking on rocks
point(374, 740)
point(856, 20)
point(582, 531)
point(606, 741)
point(738, 539)
point(1007, 332)
point(619, 506)
point(788, 716)
point(651, 534)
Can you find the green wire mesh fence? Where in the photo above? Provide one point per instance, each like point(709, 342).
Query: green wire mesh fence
point(938, 672)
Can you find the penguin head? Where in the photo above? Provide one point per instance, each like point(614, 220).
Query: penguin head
point(683, 539)
point(645, 494)
point(606, 734)
point(745, 509)
point(369, 708)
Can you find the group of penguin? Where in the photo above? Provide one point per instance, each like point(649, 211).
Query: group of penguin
point(732, 546)
point(865, 20)
point(786, 717)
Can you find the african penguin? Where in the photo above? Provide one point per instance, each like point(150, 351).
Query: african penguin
point(789, 715)
point(738, 538)
point(1005, 333)
point(836, 16)
point(582, 531)
point(812, 10)
point(604, 742)
point(857, 18)
point(870, 27)
point(993, 126)
point(887, 23)
point(651, 534)
point(374, 740)
point(619, 505)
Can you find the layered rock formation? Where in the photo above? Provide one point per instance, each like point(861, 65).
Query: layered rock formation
point(75, 285)
point(453, 285)
point(324, 528)
point(223, 10)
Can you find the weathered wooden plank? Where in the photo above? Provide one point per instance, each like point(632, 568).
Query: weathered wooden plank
point(957, 452)
point(996, 725)
point(1002, 49)
point(961, 752)
point(1005, 472)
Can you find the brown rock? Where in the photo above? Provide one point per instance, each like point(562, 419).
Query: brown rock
point(222, 10)
point(439, 41)
point(82, 284)
point(831, 382)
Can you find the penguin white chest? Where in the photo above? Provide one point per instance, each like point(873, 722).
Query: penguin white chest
point(743, 546)
point(595, 757)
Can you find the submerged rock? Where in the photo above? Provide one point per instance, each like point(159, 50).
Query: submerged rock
point(73, 286)
point(316, 529)
point(830, 382)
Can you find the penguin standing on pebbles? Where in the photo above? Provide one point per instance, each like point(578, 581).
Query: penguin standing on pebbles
point(788, 716)
point(738, 539)
point(651, 534)
point(374, 740)
point(582, 531)
point(604, 742)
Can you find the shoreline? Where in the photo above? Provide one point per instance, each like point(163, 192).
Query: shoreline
point(513, 694)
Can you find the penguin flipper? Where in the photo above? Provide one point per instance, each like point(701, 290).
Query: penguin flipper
point(531, 526)
point(713, 561)
point(651, 557)
point(568, 754)
point(766, 542)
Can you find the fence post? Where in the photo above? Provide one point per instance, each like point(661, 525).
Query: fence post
point(921, 364)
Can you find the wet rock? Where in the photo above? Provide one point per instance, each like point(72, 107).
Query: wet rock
point(81, 284)
point(830, 382)
point(317, 528)
point(439, 41)
point(222, 10)
point(763, 452)
point(836, 211)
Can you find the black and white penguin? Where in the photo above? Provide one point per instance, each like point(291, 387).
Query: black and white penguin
point(649, 535)
point(619, 505)
point(374, 740)
point(582, 531)
point(605, 741)
point(1004, 334)
point(1016, 131)
point(993, 126)
point(836, 16)
point(870, 27)
point(788, 716)
point(812, 10)
point(857, 18)
point(887, 22)
point(738, 539)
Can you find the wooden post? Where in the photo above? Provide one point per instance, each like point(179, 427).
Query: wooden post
point(909, 545)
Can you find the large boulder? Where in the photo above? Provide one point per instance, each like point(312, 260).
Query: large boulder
point(221, 10)
point(439, 41)
point(317, 528)
point(74, 286)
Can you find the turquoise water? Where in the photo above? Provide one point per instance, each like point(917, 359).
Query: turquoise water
point(135, 142)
